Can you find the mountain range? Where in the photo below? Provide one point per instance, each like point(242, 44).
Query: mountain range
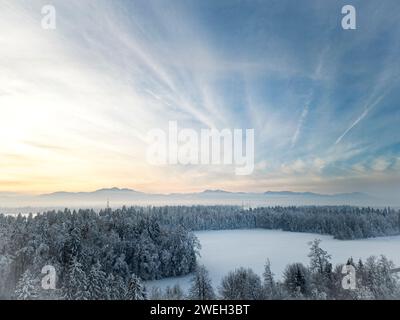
point(116, 197)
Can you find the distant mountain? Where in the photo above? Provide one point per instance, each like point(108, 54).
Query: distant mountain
point(97, 197)
point(113, 190)
point(118, 197)
point(290, 193)
point(218, 196)
point(217, 191)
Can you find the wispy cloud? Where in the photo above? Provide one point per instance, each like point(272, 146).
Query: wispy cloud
point(300, 125)
point(76, 103)
point(380, 164)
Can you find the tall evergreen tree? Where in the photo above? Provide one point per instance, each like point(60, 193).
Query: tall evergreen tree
point(136, 290)
point(97, 283)
point(27, 287)
point(269, 282)
point(76, 286)
point(320, 259)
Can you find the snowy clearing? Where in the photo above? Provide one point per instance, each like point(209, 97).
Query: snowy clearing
point(225, 250)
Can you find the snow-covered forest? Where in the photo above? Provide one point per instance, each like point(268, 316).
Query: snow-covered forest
point(96, 255)
point(108, 255)
point(342, 222)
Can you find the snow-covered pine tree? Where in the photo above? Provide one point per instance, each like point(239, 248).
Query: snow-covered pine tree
point(321, 269)
point(97, 283)
point(320, 259)
point(381, 282)
point(297, 280)
point(27, 287)
point(121, 268)
point(269, 282)
point(136, 289)
point(76, 286)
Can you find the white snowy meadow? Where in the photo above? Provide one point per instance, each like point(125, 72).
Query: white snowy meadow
point(226, 250)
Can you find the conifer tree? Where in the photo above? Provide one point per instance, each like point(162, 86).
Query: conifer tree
point(27, 287)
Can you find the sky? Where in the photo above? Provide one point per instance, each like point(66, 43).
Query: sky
point(77, 102)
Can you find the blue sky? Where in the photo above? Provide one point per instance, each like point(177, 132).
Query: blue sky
point(77, 101)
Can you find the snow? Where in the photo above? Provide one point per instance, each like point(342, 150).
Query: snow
point(223, 251)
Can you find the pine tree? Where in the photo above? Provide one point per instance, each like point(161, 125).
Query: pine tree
point(121, 268)
point(269, 282)
point(109, 288)
point(76, 286)
point(27, 287)
point(97, 283)
point(116, 288)
point(321, 270)
point(320, 259)
point(297, 280)
point(136, 290)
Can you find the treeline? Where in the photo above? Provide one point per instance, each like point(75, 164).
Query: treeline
point(91, 251)
point(342, 222)
point(371, 279)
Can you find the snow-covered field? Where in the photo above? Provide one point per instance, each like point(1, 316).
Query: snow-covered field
point(225, 250)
